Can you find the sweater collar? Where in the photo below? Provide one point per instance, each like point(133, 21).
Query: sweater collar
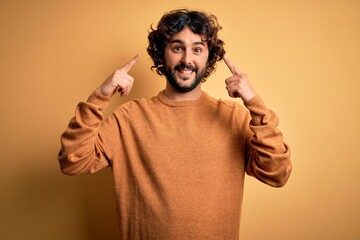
point(188, 103)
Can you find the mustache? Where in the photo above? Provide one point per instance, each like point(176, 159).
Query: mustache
point(185, 66)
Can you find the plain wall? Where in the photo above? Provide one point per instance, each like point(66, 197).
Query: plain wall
point(302, 57)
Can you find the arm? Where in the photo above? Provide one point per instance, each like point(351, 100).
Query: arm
point(85, 142)
point(268, 157)
point(81, 148)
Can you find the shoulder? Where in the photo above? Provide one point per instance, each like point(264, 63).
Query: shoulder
point(136, 105)
point(224, 103)
point(230, 112)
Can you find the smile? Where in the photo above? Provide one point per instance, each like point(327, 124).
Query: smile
point(185, 71)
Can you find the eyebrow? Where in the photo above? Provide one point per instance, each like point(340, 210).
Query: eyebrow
point(182, 42)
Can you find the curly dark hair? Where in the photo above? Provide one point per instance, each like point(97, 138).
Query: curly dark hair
point(172, 23)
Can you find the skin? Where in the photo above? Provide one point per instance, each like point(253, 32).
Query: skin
point(120, 81)
point(189, 49)
point(184, 49)
point(238, 85)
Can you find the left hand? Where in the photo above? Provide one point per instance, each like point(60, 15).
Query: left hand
point(238, 85)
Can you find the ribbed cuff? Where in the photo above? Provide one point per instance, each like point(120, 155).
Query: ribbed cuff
point(97, 98)
point(260, 114)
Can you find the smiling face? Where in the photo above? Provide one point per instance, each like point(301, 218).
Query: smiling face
point(186, 57)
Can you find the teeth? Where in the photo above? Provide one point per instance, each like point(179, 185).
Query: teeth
point(187, 72)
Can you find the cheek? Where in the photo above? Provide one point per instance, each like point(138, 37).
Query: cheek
point(170, 59)
point(203, 62)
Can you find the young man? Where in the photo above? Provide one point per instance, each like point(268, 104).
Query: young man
point(179, 158)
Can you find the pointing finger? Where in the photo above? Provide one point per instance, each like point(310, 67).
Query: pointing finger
point(234, 70)
point(131, 63)
point(229, 64)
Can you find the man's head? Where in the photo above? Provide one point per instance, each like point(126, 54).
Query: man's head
point(186, 41)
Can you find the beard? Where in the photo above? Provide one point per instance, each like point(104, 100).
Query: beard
point(175, 82)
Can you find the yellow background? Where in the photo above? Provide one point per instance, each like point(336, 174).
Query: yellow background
point(302, 56)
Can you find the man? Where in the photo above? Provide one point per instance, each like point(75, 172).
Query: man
point(179, 158)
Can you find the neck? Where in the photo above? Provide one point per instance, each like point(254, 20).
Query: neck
point(174, 94)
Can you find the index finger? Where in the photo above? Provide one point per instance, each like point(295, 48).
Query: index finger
point(131, 63)
point(234, 70)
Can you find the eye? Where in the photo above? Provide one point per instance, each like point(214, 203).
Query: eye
point(197, 50)
point(178, 49)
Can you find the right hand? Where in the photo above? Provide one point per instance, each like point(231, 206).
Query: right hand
point(238, 85)
point(120, 80)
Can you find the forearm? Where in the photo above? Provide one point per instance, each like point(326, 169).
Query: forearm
point(268, 155)
point(81, 149)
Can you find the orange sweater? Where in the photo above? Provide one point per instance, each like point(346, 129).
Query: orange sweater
point(178, 166)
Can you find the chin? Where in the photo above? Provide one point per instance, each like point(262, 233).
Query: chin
point(184, 83)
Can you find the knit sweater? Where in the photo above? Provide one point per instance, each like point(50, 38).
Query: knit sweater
point(178, 166)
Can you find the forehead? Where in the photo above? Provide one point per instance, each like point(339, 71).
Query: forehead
point(186, 36)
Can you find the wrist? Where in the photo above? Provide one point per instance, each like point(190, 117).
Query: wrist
point(105, 91)
point(97, 98)
point(248, 96)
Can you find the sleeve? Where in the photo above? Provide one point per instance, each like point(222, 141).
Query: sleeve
point(268, 157)
point(82, 147)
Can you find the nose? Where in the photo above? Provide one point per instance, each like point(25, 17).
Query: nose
point(187, 58)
